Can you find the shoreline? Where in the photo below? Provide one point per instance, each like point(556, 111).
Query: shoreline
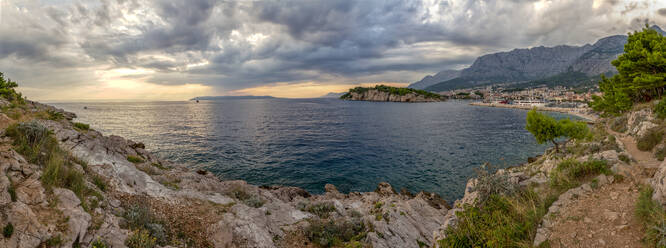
point(572, 111)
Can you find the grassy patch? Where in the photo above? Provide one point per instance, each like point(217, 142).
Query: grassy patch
point(140, 239)
point(660, 153)
point(38, 146)
point(503, 221)
point(81, 126)
point(134, 159)
point(624, 158)
point(653, 218)
point(99, 244)
point(321, 209)
point(251, 200)
point(650, 139)
point(329, 233)
point(660, 108)
point(488, 184)
point(100, 182)
point(570, 173)
point(8, 230)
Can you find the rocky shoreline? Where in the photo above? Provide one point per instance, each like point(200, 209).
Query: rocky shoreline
point(180, 206)
point(210, 212)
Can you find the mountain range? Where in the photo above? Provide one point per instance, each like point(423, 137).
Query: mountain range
point(558, 65)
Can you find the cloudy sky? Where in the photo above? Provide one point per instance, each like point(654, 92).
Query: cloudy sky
point(173, 50)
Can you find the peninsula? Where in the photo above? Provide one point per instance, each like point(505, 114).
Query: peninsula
point(383, 93)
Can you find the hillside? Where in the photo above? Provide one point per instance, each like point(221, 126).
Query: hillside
point(539, 63)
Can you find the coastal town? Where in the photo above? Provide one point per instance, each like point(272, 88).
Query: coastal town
point(557, 99)
point(558, 96)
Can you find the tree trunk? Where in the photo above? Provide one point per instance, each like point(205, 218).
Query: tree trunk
point(557, 147)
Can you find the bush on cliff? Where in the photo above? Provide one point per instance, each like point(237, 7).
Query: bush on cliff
point(38, 146)
point(652, 216)
point(503, 221)
point(660, 108)
point(329, 233)
point(650, 139)
point(570, 173)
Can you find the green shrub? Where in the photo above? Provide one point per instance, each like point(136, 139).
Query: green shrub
point(488, 184)
point(54, 241)
point(140, 239)
point(321, 209)
point(7, 90)
point(81, 126)
point(33, 141)
point(8, 230)
point(570, 173)
point(99, 182)
point(249, 199)
point(99, 244)
point(11, 189)
point(331, 233)
point(624, 158)
point(503, 221)
point(660, 153)
point(650, 139)
point(652, 216)
point(134, 159)
point(619, 124)
point(660, 108)
point(54, 115)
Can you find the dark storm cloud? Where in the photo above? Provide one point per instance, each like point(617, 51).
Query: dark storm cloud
point(240, 44)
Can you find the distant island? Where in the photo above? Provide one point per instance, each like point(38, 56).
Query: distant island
point(229, 97)
point(383, 93)
point(333, 95)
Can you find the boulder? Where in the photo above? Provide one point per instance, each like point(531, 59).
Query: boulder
point(658, 183)
point(78, 220)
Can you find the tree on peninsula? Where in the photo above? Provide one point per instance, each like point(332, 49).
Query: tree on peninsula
point(546, 128)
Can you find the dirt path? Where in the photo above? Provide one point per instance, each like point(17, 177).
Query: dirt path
point(605, 217)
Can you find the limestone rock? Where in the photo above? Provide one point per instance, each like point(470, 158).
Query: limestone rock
point(78, 219)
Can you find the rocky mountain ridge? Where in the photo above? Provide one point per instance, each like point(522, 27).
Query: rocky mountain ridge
point(520, 65)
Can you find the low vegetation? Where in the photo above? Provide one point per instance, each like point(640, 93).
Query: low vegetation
point(81, 126)
point(391, 90)
point(650, 139)
point(38, 146)
point(321, 209)
point(571, 173)
point(134, 159)
point(8, 230)
point(503, 220)
point(653, 217)
point(249, 199)
point(329, 233)
point(660, 108)
point(140, 239)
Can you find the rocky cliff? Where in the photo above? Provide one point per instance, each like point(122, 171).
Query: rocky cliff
point(112, 192)
point(381, 96)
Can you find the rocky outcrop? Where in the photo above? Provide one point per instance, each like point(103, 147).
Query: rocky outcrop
point(382, 96)
point(219, 213)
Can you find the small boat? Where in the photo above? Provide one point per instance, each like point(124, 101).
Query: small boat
point(85, 107)
point(197, 101)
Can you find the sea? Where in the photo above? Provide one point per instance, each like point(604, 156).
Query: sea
point(354, 145)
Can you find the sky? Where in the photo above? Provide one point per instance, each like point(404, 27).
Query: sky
point(69, 50)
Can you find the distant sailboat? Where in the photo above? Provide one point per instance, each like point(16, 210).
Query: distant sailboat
point(197, 101)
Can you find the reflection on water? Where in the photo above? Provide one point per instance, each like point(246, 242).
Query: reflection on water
point(311, 142)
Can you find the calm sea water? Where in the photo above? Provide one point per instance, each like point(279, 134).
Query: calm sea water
point(310, 142)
